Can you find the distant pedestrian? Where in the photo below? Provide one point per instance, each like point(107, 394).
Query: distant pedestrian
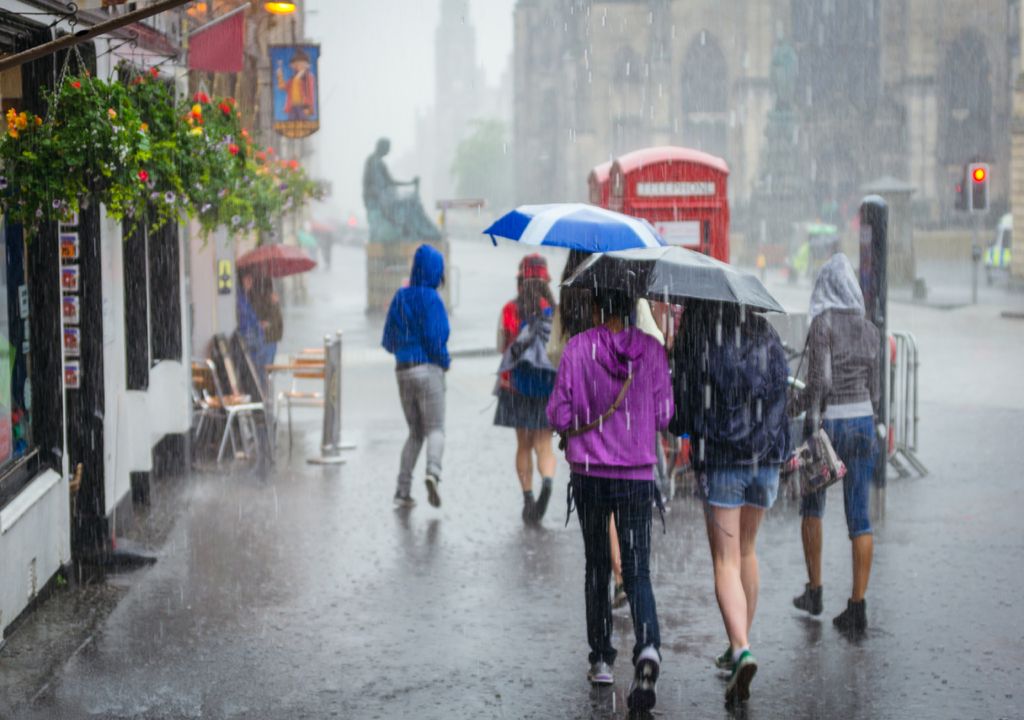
point(730, 376)
point(416, 333)
point(611, 396)
point(526, 377)
point(843, 396)
point(252, 327)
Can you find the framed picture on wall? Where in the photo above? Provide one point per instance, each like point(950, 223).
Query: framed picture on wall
point(69, 305)
point(72, 342)
point(69, 278)
point(72, 375)
point(68, 246)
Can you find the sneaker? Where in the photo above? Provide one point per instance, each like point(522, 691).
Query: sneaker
point(600, 673)
point(542, 500)
point(738, 689)
point(432, 497)
point(529, 508)
point(854, 619)
point(724, 661)
point(619, 598)
point(403, 500)
point(810, 600)
point(642, 691)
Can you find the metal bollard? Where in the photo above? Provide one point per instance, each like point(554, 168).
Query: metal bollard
point(330, 442)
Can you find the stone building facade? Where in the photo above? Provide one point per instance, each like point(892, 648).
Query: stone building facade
point(911, 89)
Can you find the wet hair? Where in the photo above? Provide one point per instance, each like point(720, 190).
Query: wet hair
point(532, 293)
point(575, 307)
point(610, 304)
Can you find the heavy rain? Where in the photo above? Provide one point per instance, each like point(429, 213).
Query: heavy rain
point(498, 359)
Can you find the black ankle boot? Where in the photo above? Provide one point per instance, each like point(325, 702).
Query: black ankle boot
point(529, 508)
point(542, 499)
point(810, 600)
point(854, 618)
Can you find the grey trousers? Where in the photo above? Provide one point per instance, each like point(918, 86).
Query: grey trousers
point(422, 390)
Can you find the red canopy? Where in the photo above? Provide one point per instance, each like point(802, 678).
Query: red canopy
point(277, 261)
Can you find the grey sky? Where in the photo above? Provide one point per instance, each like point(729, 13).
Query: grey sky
point(377, 71)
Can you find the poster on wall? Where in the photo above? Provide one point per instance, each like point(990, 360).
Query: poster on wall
point(72, 342)
point(68, 246)
point(72, 375)
point(70, 306)
point(69, 278)
point(296, 107)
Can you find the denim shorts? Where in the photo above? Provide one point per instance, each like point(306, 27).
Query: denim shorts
point(733, 486)
point(855, 444)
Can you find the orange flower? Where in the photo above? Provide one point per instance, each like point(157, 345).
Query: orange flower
point(197, 111)
point(76, 84)
point(13, 133)
point(261, 156)
point(39, 121)
point(233, 149)
point(144, 127)
point(293, 164)
point(112, 113)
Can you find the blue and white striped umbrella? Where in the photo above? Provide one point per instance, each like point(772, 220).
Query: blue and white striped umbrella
point(575, 226)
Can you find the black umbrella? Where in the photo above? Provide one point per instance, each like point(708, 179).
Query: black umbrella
point(673, 274)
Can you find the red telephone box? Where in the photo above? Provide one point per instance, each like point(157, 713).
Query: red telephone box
point(681, 191)
point(597, 184)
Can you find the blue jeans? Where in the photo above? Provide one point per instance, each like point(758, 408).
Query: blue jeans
point(631, 501)
point(855, 444)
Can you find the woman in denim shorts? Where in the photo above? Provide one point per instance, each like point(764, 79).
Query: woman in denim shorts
point(843, 395)
point(730, 387)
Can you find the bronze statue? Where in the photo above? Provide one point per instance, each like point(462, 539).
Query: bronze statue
point(393, 216)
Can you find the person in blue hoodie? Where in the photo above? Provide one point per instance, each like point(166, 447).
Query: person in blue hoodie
point(416, 333)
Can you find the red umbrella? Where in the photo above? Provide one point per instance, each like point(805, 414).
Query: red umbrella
point(276, 261)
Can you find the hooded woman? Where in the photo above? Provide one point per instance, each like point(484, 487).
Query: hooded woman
point(416, 333)
point(843, 392)
point(612, 395)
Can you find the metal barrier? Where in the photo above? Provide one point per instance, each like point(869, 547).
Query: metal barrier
point(331, 444)
point(902, 416)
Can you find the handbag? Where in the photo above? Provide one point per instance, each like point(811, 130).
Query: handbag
point(827, 469)
point(563, 437)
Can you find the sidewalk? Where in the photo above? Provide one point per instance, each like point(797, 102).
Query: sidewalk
point(308, 596)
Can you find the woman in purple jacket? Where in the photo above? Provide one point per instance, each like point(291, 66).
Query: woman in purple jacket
point(611, 396)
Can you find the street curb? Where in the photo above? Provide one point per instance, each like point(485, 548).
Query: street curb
point(473, 352)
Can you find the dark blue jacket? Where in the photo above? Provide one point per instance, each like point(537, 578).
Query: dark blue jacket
point(416, 330)
point(730, 392)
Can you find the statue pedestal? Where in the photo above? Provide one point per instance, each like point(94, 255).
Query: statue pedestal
point(387, 269)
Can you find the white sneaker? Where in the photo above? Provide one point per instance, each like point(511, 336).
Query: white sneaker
point(600, 673)
point(642, 691)
point(432, 495)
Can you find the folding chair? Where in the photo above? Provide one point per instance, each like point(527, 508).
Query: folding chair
point(307, 366)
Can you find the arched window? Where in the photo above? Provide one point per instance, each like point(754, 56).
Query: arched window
point(965, 102)
point(705, 96)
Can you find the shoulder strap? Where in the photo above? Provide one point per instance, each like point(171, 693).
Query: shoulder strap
point(573, 432)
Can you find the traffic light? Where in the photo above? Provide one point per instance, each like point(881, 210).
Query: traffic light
point(977, 187)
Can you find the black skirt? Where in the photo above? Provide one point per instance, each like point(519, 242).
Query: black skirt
point(519, 411)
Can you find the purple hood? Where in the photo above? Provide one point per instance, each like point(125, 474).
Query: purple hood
point(594, 367)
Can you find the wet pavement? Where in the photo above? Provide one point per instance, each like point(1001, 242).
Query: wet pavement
point(307, 596)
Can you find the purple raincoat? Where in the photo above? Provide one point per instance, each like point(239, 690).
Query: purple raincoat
point(590, 376)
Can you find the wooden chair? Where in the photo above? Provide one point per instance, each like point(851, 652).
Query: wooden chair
point(303, 368)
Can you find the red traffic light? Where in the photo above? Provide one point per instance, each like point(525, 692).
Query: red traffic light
point(979, 174)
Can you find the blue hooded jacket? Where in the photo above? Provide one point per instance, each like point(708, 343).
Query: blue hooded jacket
point(416, 330)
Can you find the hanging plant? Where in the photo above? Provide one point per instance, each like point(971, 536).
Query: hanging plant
point(130, 146)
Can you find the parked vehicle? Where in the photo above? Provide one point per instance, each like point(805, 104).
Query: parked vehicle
point(999, 253)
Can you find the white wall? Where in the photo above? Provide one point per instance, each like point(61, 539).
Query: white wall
point(35, 541)
point(134, 421)
point(212, 313)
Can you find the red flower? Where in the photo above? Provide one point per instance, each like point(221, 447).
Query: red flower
point(76, 84)
point(261, 156)
point(270, 151)
point(293, 164)
point(233, 149)
point(143, 175)
point(154, 72)
point(231, 101)
point(225, 108)
point(201, 97)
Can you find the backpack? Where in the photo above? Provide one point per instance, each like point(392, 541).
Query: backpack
point(531, 371)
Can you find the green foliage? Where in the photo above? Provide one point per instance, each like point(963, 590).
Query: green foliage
point(483, 164)
point(130, 146)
